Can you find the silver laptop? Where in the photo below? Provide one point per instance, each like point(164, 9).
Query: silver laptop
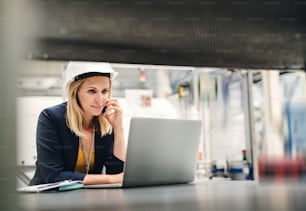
point(160, 152)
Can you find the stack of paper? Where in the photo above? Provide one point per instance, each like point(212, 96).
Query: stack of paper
point(57, 186)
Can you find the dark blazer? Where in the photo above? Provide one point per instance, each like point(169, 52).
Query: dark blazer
point(57, 149)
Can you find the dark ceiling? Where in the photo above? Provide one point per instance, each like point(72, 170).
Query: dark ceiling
point(268, 34)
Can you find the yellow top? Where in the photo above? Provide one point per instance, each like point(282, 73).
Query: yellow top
point(80, 165)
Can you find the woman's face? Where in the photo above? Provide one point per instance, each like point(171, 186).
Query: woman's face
point(93, 94)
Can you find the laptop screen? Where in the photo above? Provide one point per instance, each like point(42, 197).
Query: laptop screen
point(161, 151)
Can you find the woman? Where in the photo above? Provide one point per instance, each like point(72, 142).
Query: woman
point(76, 139)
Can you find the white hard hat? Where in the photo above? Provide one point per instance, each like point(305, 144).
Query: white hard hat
point(77, 70)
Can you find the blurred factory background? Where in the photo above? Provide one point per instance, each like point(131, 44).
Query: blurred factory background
point(254, 120)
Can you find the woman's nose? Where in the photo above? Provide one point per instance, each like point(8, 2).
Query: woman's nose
point(100, 98)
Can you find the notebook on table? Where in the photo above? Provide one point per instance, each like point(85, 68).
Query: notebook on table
point(159, 152)
point(56, 186)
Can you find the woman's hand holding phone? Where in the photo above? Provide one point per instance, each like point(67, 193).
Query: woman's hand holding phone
point(113, 112)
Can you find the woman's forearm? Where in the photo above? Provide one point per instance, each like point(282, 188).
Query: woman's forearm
point(119, 143)
point(93, 179)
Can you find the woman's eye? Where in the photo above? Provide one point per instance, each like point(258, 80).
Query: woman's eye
point(105, 91)
point(91, 91)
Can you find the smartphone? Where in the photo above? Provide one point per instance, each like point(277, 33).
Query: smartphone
point(106, 111)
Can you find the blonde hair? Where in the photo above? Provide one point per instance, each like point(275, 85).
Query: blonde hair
point(74, 116)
